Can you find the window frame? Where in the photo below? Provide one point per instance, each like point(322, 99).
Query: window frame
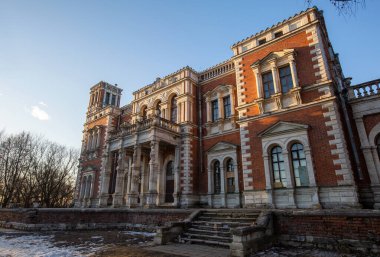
point(269, 85)
point(281, 178)
point(217, 178)
point(288, 78)
point(227, 106)
point(298, 159)
point(214, 110)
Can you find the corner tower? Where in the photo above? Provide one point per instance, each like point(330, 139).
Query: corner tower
point(101, 116)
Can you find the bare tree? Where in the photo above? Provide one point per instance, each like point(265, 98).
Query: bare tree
point(344, 6)
point(34, 169)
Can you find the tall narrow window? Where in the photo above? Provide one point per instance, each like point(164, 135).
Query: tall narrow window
point(299, 165)
point(107, 101)
point(217, 186)
point(285, 79)
point(173, 109)
point(378, 145)
point(113, 100)
point(278, 167)
point(227, 106)
point(230, 176)
point(268, 84)
point(214, 110)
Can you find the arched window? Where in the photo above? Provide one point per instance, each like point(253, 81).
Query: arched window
point(230, 176)
point(143, 112)
point(217, 186)
point(278, 167)
point(169, 182)
point(158, 109)
point(299, 165)
point(173, 109)
point(378, 145)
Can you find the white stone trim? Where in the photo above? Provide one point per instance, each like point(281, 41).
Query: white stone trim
point(246, 152)
point(335, 126)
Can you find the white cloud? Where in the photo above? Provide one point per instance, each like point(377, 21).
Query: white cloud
point(38, 113)
point(1, 94)
point(43, 104)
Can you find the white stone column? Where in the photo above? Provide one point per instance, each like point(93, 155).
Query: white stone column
point(128, 173)
point(276, 82)
point(232, 101)
point(153, 170)
point(220, 106)
point(208, 107)
point(135, 176)
point(268, 181)
point(375, 180)
point(106, 172)
point(143, 181)
point(289, 180)
point(177, 189)
point(223, 186)
point(118, 196)
point(259, 83)
point(293, 70)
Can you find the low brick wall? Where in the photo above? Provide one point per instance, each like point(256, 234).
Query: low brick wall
point(344, 230)
point(66, 219)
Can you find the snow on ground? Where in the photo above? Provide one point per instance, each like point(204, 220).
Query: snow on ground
point(33, 245)
point(139, 233)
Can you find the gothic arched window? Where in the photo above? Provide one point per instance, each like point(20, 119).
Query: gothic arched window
point(299, 165)
point(143, 113)
point(173, 109)
point(278, 167)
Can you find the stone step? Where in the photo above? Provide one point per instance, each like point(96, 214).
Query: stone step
point(231, 214)
point(221, 224)
point(211, 232)
point(206, 242)
point(210, 228)
point(224, 239)
point(226, 219)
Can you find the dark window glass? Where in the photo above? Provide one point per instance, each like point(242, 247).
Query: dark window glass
point(217, 177)
point(278, 167)
point(113, 101)
point(378, 145)
point(278, 34)
point(107, 98)
point(214, 110)
point(299, 165)
point(268, 84)
point(173, 111)
point(227, 106)
point(170, 171)
point(262, 41)
point(285, 79)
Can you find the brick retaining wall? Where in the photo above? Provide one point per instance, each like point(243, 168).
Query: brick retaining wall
point(50, 219)
point(346, 230)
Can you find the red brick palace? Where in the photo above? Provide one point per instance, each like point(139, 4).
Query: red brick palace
point(277, 125)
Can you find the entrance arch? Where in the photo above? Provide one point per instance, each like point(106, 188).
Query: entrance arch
point(169, 188)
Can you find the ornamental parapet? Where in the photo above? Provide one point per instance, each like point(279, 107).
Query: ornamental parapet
point(145, 124)
point(364, 90)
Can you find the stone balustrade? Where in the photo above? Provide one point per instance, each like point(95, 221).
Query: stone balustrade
point(363, 90)
point(129, 129)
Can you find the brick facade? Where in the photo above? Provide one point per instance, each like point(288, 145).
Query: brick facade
point(269, 127)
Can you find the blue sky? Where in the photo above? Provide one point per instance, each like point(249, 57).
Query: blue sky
point(52, 52)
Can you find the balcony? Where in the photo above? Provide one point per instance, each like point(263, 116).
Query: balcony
point(145, 124)
point(364, 90)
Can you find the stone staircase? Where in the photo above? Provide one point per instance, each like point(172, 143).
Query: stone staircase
point(213, 227)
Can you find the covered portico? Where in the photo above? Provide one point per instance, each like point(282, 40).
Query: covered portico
point(141, 165)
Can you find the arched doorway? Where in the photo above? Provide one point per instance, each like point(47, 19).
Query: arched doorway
point(169, 190)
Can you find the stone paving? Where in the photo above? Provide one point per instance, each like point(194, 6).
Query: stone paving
point(191, 250)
